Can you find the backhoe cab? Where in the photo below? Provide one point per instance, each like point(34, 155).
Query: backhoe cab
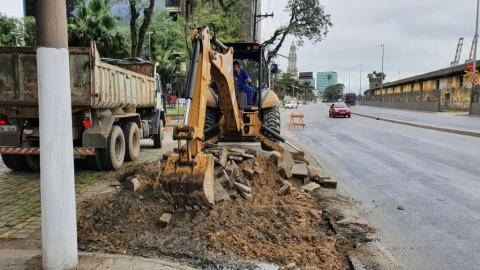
point(214, 114)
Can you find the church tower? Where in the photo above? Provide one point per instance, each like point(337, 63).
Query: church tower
point(292, 61)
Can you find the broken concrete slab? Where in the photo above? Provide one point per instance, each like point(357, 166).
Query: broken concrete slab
point(242, 188)
point(164, 220)
point(312, 173)
point(236, 158)
point(220, 194)
point(284, 190)
point(298, 156)
point(249, 172)
point(310, 187)
point(286, 160)
point(223, 156)
point(285, 172)
point(328, 182)
point(132, 184)
point(300, 170)
point(238, 151)
point(248, 156)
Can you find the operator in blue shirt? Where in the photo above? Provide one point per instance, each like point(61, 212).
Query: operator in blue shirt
point(243, 81)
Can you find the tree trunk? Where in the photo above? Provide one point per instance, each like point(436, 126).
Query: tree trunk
point(133, 28)
point(147, 18)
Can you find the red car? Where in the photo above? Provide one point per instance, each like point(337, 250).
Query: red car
point(339, 109)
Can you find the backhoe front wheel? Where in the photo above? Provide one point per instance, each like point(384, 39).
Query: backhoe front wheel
point(271, 119)
point(113, 156)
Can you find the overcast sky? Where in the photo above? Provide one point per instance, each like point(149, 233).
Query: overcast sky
point(419, 36)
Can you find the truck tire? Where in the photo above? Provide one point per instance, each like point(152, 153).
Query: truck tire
point(131, 132)
point(211, 121)
point(113, 156)
point(15, 162)
point(271, 119)
point(33, 162)
point(157, 138)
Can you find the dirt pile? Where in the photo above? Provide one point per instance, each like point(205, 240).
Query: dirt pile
point(259, 225)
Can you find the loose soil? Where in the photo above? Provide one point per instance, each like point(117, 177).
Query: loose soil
point(298, 229)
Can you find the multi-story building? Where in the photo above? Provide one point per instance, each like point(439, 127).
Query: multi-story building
point(325, 79)
point(307, 76)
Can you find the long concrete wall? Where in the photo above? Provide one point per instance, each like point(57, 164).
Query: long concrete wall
point(419, 106)
point(476, 108)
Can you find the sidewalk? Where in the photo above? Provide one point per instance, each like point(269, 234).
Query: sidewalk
point(31, 259)
point(460, 123)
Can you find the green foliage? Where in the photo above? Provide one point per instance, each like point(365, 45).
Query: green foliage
point(308, 21)
point(168, 66)
point(16, 32)
point(229, 26)
point(168, 35)
point(286, 85)
point(95, 22)
point(377, 75)
point(333, 92)
point(8, 27)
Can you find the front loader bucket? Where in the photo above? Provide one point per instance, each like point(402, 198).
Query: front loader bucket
point(190, 185)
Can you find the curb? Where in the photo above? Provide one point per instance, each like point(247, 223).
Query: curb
point(406, 123)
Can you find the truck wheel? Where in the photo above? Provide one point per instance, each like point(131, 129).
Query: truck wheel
point(15, 162)
point(33, 162)
point(157, 138)
point(211, 121)
point(271, 119)
point(132, 139)
point(113, 156)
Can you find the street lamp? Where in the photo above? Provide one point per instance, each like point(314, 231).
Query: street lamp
point(474, 74)
point(149, 45)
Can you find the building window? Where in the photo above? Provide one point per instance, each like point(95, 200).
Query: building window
point(460, 79)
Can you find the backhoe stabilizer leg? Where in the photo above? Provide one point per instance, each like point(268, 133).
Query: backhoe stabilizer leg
point(190, 184)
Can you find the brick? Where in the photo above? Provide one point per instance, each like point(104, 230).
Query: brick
point(164, 220)
point(312, 173)
point(298, 156)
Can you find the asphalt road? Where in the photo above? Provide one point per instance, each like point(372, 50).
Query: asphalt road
point(435, 176)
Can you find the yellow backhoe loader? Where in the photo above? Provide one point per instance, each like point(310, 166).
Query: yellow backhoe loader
point(216, 112)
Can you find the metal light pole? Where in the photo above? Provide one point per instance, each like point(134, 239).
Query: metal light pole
point(59, 221)
point(474, 71)
point(361, 67)
point(381, 79)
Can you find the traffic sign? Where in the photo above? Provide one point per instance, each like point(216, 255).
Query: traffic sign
point(470, 66)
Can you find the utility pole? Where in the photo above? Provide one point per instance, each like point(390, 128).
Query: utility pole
point(59, 221)
point(255, 21)
point(360, 92)
point(474, 73)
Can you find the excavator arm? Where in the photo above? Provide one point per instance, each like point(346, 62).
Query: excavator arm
point(189, 174)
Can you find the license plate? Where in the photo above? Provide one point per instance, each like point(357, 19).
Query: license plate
point(8, 129)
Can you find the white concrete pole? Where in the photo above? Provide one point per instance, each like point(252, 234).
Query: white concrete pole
point(59, 230)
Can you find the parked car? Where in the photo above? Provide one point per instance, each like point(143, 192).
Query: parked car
point(339, 109)
point(291, 105)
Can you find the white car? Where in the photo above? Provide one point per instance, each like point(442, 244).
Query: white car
point(291, 105)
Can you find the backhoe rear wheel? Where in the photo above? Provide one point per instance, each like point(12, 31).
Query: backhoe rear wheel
point(271, 119)
point(211, 122)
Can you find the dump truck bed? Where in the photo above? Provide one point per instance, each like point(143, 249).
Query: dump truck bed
point(95, 83)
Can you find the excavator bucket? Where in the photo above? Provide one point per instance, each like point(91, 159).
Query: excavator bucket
point(190, 184)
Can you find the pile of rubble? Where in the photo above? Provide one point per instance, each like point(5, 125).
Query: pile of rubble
point(269, 208)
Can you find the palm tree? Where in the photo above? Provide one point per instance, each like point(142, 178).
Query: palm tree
point(95, 22)
point(168, 67)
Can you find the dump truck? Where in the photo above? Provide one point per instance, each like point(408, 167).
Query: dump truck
point(115, 104)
